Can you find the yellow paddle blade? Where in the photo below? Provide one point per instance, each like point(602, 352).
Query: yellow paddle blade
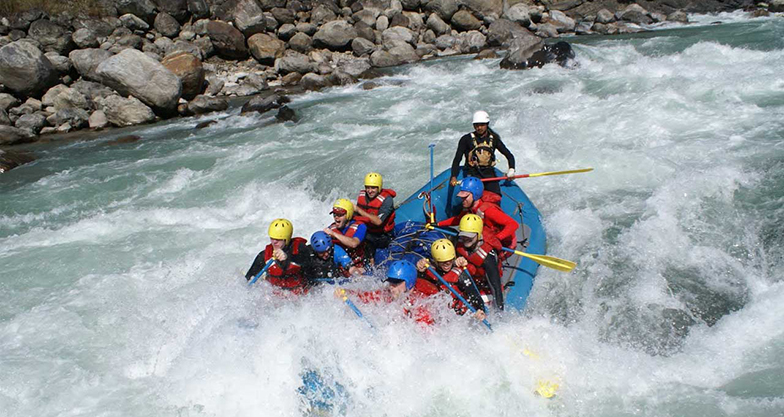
point(546, 389)
point(574, 171)
point(549, 261)
point(530, 354)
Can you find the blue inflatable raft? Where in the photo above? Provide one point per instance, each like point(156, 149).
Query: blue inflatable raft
point(519, 272)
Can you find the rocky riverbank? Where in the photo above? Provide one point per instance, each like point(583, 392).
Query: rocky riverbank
point(152, 59)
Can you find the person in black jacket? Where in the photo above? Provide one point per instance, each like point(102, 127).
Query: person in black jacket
point(478, 148)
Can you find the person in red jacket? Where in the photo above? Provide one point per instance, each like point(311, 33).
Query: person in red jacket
point(443, 254)
point(286, 271)
point(347, 233)
point(402, 285)
point(478, 248)
point(375, 208)
point(486, 205)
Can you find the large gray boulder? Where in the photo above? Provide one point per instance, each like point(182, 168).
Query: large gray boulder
point(167, 25)
point(206, 104)
point(134, 23)
point(87, 60)
point(352, 66)
point(404, 53)
point(520, 50)
point(396, 36)
point(131, 72)
point(485, 8)
point(199, 8)
point(7, 101)
point(362, 46)
point(4, 119)
point(61, 63)
point(32, 122)
point(520, 13)
point(444, 8)
point(190, 71)
point(176, 8)
point(12, 136)
point(229, 42)
point(437, 25)
point(561, 21)
point(84, 38)
point(144, 9)
point(776, 6)
point(63, 97)
point(266, 48)
point(503, 31)
point(463, 21)
point(605, 16)
point(76, 118)
point(336, 36)
point(25, 70)
point(472, 42)
point(293, 61)
point(51, 36)
point(122, 111)
point(383, 59)
point(249, 17)
point(301, 43)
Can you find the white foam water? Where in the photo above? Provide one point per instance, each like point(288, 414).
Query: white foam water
point(122, 265)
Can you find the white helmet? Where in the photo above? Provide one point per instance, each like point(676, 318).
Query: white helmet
point(481, 117)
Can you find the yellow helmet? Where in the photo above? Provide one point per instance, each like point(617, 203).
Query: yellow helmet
point(281, 229)
point(471, 223)
point(442, 250)
point(344, 205)
point(374, 179)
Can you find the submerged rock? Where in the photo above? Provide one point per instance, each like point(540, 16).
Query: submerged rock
point(559, 53)
point(12, 159)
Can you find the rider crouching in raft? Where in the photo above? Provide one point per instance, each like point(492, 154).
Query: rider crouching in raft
point(485, 205)
point(327, 262)
point(347, 233)
point(478, 148)
point(286, 271)
point(442, 252)
point(375, 208)
point(478, 249)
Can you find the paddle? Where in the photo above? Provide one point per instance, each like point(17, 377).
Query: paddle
point(544, 260)
point(457, 294)
point(548, 261)
point(432, 146)
point(541, 174)
point(266, 267)
point(354, 307)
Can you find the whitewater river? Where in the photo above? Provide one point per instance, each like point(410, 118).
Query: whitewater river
point(121, 266)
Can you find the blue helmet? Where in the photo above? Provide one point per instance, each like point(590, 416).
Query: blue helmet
point(474, 186)
point(403, 271)
point(320, 242)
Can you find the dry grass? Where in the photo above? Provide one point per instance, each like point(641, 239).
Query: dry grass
point(54, 7)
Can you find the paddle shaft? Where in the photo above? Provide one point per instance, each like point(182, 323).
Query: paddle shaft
point(355, 308)
point(544, 260)
point(457, 294)
point(266, 267)
point(541, 174)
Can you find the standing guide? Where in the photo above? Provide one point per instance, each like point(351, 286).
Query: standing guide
point(478, 148)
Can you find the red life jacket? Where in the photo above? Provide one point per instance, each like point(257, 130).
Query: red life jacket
point(500, 224)
point(292, 277)
point(372, 207)
point(357, 254)
point(476, 258)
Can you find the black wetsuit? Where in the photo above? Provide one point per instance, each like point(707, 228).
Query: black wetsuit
point(466, 145)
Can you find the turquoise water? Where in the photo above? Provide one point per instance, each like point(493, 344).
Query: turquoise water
point(122, 290)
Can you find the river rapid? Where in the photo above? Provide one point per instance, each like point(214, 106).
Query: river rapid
point(122, 289)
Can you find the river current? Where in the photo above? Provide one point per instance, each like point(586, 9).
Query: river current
point(122, 289)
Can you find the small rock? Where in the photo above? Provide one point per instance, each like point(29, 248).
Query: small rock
point(98, 120)
point(205, 104)
point(285, 114)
